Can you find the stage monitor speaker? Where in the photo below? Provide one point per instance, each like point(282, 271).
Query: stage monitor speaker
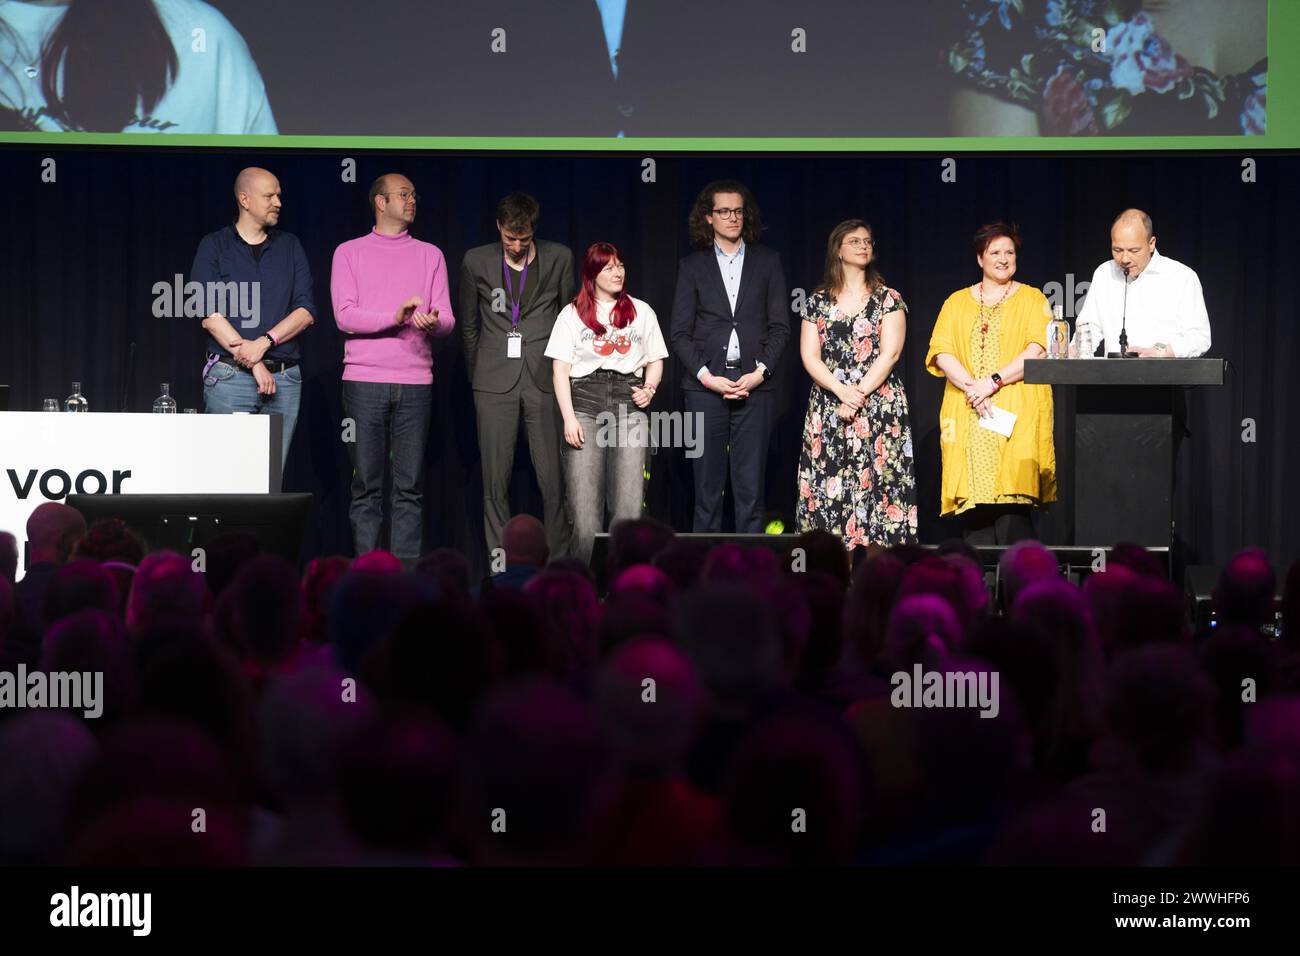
point(1198, 586)
point(184, 522)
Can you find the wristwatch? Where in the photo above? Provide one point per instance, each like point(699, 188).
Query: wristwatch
point(767, 372)
point(997, 380)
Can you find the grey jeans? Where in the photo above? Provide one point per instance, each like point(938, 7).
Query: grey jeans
point(609, 468)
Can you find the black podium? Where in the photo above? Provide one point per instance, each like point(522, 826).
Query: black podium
point(1126, 414)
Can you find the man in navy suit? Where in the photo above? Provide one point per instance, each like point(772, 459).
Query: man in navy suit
point(730, 324)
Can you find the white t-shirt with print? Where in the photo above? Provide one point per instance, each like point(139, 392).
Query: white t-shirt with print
point(629, 348)
point(217, 89)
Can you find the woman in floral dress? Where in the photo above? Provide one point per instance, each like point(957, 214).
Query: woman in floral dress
point(855, 470)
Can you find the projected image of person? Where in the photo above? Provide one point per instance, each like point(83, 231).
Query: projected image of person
point(992, 478)
point(855, 471)
point(171, 66)
point(600, 68)
point(1094, 67)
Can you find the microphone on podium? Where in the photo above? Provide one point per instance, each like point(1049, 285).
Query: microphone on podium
point(1123, 320)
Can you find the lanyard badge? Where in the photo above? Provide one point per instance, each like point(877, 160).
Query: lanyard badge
point(514, 340)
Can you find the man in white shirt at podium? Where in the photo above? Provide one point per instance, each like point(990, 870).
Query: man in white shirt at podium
point(1165, 309)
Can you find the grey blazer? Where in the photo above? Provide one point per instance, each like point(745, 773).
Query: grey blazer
point(483, 331)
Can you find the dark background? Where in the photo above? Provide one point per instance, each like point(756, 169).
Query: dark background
point(686, 67)
point(699, 68)
point(82, 254)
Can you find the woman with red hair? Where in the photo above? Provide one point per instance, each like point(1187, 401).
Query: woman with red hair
point(608, 356)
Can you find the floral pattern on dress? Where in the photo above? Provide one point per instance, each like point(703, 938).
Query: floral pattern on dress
point(1048, 55)
point(856, 477)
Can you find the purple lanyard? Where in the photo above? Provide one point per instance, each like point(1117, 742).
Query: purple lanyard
point(514, 302)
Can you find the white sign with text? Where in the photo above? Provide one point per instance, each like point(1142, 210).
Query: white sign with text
point(45, 456)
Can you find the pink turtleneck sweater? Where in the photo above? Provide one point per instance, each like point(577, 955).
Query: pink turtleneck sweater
point(372, 276)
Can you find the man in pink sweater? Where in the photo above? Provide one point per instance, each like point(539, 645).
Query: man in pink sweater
point(390, 297)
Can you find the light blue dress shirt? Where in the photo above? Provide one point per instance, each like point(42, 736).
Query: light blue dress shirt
point(612, 13)
point(731, 266)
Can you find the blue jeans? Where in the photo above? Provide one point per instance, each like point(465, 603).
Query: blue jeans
point(609, 468)
point(392, 424)
point(227, 389)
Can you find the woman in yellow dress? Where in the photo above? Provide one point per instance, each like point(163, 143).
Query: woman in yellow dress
point(980, 342)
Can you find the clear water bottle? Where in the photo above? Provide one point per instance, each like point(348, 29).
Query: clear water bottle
point(1083, 336)
point(1058, 335)
point(164, 404)
point(76, 402)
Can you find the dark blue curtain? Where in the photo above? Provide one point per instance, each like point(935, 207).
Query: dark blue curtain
point(81, 255)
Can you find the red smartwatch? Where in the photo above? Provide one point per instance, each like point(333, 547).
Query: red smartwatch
point(997, 382)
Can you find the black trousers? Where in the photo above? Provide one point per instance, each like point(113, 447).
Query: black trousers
point(735, 436)
point(997, 524)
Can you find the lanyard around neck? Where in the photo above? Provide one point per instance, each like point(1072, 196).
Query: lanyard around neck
point(514, 300)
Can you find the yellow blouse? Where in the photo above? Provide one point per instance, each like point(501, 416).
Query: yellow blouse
point(1026, 462)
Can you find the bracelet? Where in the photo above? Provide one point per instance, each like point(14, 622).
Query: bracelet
point(649, 386)
point(274, 343)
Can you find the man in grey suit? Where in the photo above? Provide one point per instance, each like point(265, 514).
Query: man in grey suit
point(510, 293)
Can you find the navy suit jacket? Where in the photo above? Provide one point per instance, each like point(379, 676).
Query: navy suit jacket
point(702, 318)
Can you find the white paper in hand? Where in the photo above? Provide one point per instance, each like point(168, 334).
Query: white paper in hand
point(1002, 421)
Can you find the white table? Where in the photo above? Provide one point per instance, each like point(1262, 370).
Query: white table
point(47, 455)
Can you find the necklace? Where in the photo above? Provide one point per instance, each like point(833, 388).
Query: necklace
point(984, 322)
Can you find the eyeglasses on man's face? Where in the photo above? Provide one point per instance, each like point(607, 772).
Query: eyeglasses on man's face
point(405, 195)
point(737, 213)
